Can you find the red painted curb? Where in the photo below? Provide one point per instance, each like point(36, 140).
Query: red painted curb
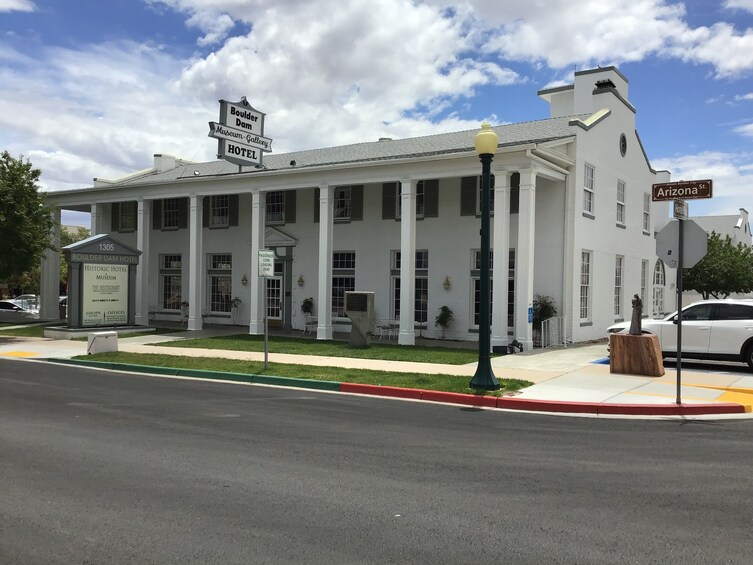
point(393, 391)
point(512, 403)
point(458, 398)
point(670, 409)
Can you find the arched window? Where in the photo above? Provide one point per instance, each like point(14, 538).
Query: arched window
point(660, 280)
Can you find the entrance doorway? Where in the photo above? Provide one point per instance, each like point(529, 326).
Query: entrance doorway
point(274, 302)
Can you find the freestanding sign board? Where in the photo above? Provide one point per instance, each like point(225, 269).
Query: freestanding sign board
point(240, 133)
point(101, 282)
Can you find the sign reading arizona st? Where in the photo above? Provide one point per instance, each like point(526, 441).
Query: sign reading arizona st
point(240, 133)
point(682, 190)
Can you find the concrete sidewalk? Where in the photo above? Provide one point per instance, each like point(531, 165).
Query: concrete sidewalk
point(575, 379)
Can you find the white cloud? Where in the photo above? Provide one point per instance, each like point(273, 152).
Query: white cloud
point(746, 129)
point(748, 96)
point(17, 5)
point(732, 174)
point(739, 4)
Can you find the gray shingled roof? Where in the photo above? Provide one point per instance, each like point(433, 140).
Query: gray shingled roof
point(443, 143)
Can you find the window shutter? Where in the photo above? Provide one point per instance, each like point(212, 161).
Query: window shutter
point(156, 214)
point(234, 203)
point(431, 198)
point(290, 206)
point(205, 211)
point(514, 193)
point(316, 205)
point(389, 192)
point(356, 203)
point(182, 213)
point(468, 191)
point(115, 217)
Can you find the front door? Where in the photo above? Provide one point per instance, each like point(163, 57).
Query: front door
point(274, 300)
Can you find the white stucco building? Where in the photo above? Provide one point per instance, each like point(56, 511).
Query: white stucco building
point(573, 219)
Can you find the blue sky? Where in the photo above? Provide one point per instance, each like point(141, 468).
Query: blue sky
point(94, 88)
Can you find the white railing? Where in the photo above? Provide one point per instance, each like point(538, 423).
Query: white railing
point(553, 332)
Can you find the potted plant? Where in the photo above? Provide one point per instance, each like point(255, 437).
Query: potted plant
point(544, 308)
point(444, 319)
point(234, 303)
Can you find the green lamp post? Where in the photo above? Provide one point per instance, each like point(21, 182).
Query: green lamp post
point(486, 145)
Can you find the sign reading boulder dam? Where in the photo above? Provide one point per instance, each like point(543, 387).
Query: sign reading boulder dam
point(240, 133)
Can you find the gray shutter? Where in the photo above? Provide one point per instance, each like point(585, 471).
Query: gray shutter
point(514, 193)
point(431, 198)
point(234, 203)
point(115, 216)
point(157, 214)
point(316, 205)
point(205, 211)
point(468, 192)
point(290, 206)
point(389, 191)
point(182, 213)
point(356, 203)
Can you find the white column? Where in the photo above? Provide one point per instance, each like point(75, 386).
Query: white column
point(97, 213)
point(326, 227)
point(49, 284)
point(143, 228)
point(407, 335)
point(524, 258)
point(501, 247)
point(195, 264)
point(258, 287)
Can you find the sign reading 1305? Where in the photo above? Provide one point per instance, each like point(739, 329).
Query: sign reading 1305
point(107, 247)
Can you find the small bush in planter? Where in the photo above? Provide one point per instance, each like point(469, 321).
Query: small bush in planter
point(444, 319)
point(307, 306)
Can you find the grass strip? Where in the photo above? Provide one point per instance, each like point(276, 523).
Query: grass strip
point(447, 383)
point(31, 331)
point(328, 348)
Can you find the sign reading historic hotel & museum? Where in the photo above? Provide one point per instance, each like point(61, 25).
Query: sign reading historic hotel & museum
point(240, 133)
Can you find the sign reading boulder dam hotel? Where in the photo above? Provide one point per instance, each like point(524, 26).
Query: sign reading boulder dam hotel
point(240, 133)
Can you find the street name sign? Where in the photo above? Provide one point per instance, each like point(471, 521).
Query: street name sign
point(240, 133)
point(681, 190)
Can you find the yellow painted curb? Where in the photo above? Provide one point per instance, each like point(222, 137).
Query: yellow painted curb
point(19, 354)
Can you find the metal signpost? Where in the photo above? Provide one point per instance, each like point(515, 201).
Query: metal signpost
point(672, 242)
point(266, 269)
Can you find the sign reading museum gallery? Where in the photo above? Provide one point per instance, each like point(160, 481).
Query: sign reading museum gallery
point(105, 294)
point(240, 133)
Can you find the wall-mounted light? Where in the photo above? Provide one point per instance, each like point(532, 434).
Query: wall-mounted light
point(244, 280)
point(447, 283)
point(301, 281)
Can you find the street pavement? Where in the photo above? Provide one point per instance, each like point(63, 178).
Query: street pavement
point(574, 379)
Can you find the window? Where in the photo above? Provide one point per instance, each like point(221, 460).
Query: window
point(419, 200)
point(480, 196)
point(701, 312)
point(127, 219)
point(171, 287)
point(659, 282)
point(733, 312)
point(276, 207)
point(511, 289)
point(585, 286)
point(646, 213)
point(476, 286)
point(342, 203)
point(421, 294)
point(220, 269)
point(619, 262)
point(644, 282)
point(170, 213)
point(620, 202)
point(343, 279)
point(588, 189)
point(219, 211)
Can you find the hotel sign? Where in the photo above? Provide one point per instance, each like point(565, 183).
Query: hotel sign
point(240, 133)
point(682, 190)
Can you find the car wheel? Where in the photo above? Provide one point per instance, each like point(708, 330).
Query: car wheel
point(749, 356)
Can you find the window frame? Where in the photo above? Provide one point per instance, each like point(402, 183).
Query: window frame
point(619, 283)
point(620, 211)
point(586, 285)
point(420, 200)
point(127, 213)
point(218, 218)
point(646, 213)
point(589, 184)
point(170, 213)
point(219, 274)
point(170, 268)
point(274, 211)
point(343, 280)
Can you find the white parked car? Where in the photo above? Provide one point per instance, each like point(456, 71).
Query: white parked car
point(711, 329)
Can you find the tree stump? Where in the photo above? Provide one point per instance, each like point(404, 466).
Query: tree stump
point(635, 355)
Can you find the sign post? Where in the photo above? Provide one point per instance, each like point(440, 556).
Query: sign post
point(679, 192)
point(266, 269)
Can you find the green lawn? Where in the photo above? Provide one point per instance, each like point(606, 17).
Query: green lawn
point(302, 346)
point(31, 331)
point(447, 383)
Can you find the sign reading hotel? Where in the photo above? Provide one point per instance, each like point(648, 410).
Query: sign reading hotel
point(240, 133)
point(105, 294)
point(682, 190)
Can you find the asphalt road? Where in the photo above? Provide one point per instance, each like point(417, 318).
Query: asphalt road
point(99, 467)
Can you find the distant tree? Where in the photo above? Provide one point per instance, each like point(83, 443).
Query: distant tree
point(66, 238)
point(726, 269)
point(25, 222)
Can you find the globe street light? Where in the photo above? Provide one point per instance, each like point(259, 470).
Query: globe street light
point(486, 145)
